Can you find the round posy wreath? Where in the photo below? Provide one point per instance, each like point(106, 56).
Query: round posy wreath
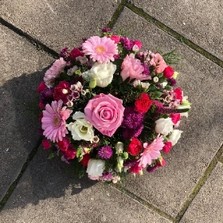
point(109, 109)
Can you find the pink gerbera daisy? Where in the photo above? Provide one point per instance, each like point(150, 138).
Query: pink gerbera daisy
point(151, 152)
point(54, 121)
point(101, 49)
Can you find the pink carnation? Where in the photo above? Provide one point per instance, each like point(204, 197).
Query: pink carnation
point(54, 71)
point(158, 62)
point(101, 49)
point(133, 69)
point(151, 152)
point(105, 113)
point(54, 121)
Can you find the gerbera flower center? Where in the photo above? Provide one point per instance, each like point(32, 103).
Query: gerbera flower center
point(56, 121)
point(100, 49)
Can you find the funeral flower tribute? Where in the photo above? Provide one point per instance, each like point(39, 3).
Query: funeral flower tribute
point(108, 108)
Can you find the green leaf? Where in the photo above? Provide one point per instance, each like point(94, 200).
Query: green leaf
point(156, 94)
point(51, 156)
point(171, 57)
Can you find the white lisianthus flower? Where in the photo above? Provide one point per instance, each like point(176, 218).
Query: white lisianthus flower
point(175, 136)
point(102, 73)
point(95, 168)
point(81, 129)
point(164, 126)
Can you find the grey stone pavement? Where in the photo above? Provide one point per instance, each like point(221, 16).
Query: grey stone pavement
point(36, 190)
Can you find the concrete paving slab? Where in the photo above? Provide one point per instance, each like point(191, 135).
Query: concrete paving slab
point(18, 122)
point(169, 187)
point(200, 21)
point(59, 23)
point(48, 192)
point(208, 206)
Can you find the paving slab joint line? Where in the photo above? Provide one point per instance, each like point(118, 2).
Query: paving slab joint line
point(200, 184)
point(173, 33)
point(116, 14)
point(221, 159)
point(142, 201)
point(35, 42)
point(13, 185)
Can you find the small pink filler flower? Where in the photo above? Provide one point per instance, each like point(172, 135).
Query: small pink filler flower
point(151, 152)
point(100, 49)
point(54, 121)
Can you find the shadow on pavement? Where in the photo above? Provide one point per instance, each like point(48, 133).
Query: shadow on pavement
point(19, 135)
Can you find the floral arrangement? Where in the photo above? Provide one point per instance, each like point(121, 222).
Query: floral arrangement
point(108, 108)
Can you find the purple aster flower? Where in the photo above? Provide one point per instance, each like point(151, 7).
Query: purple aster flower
point(105, 152)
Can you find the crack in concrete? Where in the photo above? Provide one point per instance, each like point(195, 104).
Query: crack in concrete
point(16, 181)
point(143, 202)
point(35, 42)
point(199, 184)
point(116, 14)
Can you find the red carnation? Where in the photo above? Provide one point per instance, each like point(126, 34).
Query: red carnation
point(143, 103)
point(46, 144)
point(41, 105)
point(64, 144)
point(70, 154)
point(61, 91)
point(178, 94)
point(135, 147)
point(168, 72)
point(85, 160)
point(41, 87)
point(175, 117)
point(115, 38)
point(167, 147)
point(135, 168)
point(137, 43)
point(75, 52)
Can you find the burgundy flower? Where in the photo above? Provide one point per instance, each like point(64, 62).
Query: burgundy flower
point(75, 52)
point(62, 91)
point(132, 124)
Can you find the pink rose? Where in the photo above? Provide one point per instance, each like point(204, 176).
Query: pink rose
point(133, 69)
point(158, 62)
point(105, 113)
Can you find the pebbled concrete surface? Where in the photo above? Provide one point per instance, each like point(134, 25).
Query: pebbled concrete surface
point(169, 187)
point(18, 120)
point(48, 192)
point(59, 23)
point(208, 206)
point(200, 21)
